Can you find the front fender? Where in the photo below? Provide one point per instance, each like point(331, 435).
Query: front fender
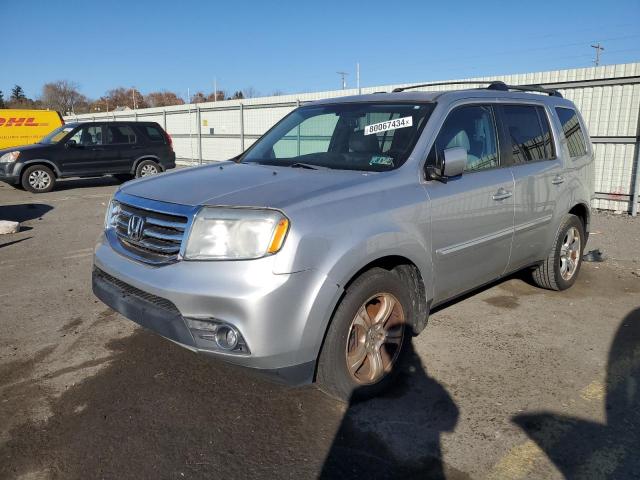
point(21, 166)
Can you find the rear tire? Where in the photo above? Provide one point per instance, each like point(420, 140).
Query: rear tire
point(366, 340)
point(561, 268)
point(38, 179)
point(147, 168)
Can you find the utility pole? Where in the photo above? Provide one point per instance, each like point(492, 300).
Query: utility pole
point(343, 75)
point(358, 77)
point(215, 89)
point(599, 48)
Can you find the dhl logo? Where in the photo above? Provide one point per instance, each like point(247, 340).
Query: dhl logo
point(20, 122)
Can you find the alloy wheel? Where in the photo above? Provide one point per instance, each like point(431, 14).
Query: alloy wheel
point(39, 179)
point(375, 338)
point(570, 253)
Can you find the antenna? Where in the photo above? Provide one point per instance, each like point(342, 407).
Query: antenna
point(343, 75)
point(599, 48)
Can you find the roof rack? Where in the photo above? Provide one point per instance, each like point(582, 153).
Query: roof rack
point(491, 85)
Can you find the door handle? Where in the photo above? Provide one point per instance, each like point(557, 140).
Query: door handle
point(502, 194)
point(557, 180)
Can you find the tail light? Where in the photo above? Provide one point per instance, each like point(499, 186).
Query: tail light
point(169, 140)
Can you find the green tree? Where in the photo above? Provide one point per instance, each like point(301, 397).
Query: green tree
point(17, 94)
point(1, 99)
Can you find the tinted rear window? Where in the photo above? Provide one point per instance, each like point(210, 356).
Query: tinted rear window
point(529, 132)
point(120, 134)
point(572, 131)
point(154, 133)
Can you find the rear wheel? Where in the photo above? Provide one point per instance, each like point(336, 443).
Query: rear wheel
point(367, 336)
point(147, 168)
point(560, 270)
point(38, 179)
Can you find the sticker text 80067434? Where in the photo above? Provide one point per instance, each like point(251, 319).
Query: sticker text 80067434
point(388, 125)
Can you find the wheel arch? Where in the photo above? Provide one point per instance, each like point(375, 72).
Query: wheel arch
point(40, 161)
point(583, 212)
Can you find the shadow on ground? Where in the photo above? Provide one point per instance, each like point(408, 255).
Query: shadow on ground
point(72, 183)
point(159, 411)
point(24, 212)
point(396, 435)
point(584, 449)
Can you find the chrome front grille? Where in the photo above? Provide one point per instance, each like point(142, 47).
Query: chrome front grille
point(157, 238)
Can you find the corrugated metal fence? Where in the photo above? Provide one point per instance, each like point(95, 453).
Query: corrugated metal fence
point(607, 96)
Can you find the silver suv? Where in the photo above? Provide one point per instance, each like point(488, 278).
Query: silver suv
point(317, 253)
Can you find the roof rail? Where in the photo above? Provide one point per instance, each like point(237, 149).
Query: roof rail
point(492, 85)
point(438, 84)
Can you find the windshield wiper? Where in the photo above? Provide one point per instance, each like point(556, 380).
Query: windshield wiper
point(308, 165)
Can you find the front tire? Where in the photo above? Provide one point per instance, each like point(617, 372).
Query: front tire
point(38, 179)
point(561, 268)
point(367, 337)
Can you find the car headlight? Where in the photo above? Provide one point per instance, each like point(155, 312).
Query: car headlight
point(9, 157)
point(111, 216)
point(235, 234)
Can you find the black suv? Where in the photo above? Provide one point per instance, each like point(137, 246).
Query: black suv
point(122, 149)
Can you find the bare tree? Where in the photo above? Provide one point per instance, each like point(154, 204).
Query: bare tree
point(63, 96)
point(163, 99)
point(198, 97)
point(125, 97)
point(249, 92)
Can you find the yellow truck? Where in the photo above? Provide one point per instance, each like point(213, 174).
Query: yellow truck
point(24, 127)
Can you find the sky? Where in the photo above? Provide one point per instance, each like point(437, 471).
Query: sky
point(297, 46)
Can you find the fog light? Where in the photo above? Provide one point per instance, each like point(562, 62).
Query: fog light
point(226, 338)
point(211, 333)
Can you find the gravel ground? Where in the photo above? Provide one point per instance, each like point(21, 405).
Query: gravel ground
point(508, 382)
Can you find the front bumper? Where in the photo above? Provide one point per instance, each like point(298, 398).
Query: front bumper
point(282, 318)
point(9, 173)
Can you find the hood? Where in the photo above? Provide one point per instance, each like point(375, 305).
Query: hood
point(243, 184)
point(23, 148)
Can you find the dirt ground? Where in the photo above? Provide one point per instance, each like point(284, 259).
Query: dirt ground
point(510, 382)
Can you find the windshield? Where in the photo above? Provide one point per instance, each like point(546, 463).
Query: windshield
point(57, 135)
point(347, 136)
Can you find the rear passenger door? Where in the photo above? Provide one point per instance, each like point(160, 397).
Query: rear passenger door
point(537, 173)
point(123, 145)
point(471, 215)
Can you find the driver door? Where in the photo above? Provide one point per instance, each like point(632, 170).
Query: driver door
point(80, 155)
point(472, 214)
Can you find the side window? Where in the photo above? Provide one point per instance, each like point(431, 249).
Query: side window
point(473, 128)
point(154, 134)
point(572, 132)
point(118, 134)
point(528, 130)
point(88, 136)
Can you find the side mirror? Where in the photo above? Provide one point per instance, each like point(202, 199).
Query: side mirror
point(71, 144)
point(455, 159)
point(453, 163)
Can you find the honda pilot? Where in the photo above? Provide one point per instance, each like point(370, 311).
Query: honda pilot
point(316, 254)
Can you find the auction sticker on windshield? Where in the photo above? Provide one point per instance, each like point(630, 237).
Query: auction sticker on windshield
point(388, 125)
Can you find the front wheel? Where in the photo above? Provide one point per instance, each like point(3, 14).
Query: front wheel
point(367, 337)
point(560, 270)
point(38, 179)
